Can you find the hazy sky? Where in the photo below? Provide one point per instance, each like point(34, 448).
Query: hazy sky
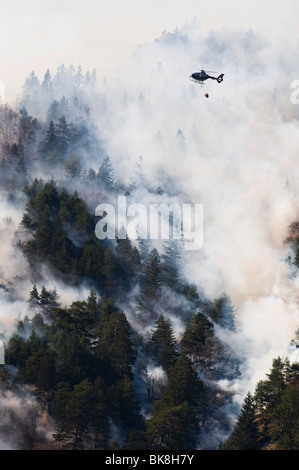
point(41, 34)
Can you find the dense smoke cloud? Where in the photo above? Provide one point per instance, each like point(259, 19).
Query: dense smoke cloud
point(236, 153)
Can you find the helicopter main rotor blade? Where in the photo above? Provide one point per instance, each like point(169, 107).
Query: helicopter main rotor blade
point(200, 69)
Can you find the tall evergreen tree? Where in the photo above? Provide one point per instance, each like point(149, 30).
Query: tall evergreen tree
point(62, 132)
point(114, 346)
point(163, 343)
point(195, 340)
point(34, 297)
point(75, 411)
point(175, 421)
point(47, 85)
point(150, 286)
point(284, 421)
point(170, 262)
point(50, 144)
point(246, 435)
point(106, 173)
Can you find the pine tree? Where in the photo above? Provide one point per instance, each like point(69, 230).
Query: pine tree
point(195, 341)
point(99, 422)
point(34, 298)
point(123, 406)
point(73, 167)
point(50, 144)
point(170, 428)
point(62, 132)
point(184, 384)
point(268, 392)
point(150, 287)
point(47, 86)
point(114, 346)
point(284, 421)
point(92, 303)
point(221, 312)
point(109, 269)
point(138, 179)
point(106, 173)
point(28, 130)
point(53, 112)
point(43, 238)
point(31, 87)
point(48, 300)
point(246, 435)
point(136, 440)
point(175, 421)
point(40, 369)
point(144, 249)
point(163, 343)
point(129, 258)
point(75, 410)
point(170, 263)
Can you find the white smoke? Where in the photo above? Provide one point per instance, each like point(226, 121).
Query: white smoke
point(235, 153)
point(22, 416)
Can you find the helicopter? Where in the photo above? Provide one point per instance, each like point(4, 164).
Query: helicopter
point(200, 77)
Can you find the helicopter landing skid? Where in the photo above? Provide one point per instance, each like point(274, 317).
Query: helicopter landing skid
point(197, 81)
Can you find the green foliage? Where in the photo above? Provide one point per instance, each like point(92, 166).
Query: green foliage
point(114, 345)
point(86, 361)
point(106, 174)
point(82, 362)
point(81, 414)
point(198, 341)
point(150, 286)
point(246, 434)
point(171, 428)
point(270, 418)
point(175, 422)
point(163, 344)
point(63, 234)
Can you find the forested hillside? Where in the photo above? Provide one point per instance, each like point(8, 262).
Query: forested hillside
point(137, 357)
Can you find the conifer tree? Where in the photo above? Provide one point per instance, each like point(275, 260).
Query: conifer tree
point(79, 412)
point(62, 132)
point(195, 339)
point(138, 178)
point(48, 300)
point(175, 421)
point(246, 435)
point(109, 269)
point(53, 112)
point(114, 346)
point(47, 86)
point(106, 173)
point(268, 392)
point(50, 142)
point(284, 421)
point(72, 167)
point(163, 343)
point(150, 285)
point(92, 303)
point(184, 384)
point(170, 262)
point(34, 297)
